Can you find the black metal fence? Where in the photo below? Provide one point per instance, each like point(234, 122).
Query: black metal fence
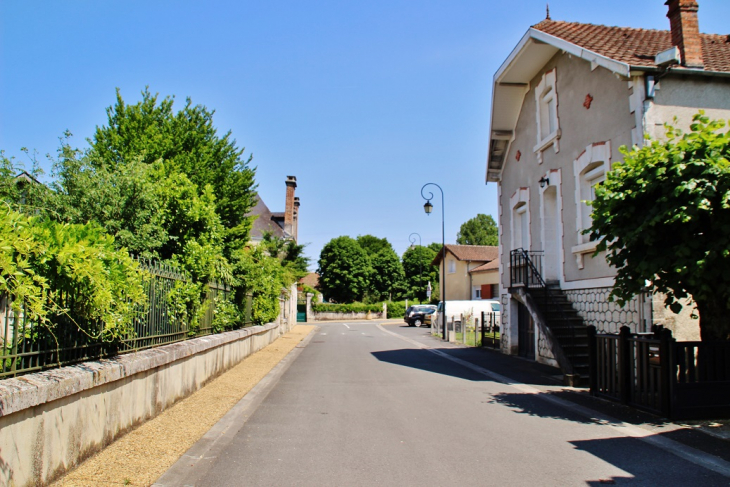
point(655, 373)
point(490, 329)
point(27, 346)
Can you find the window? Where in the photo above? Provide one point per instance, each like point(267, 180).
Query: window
point(546, 104)
point(477, 293)
point(520, 224)
point(522, 229)
point(452, 266)
point(590, 170)
point(495, 291)
point(589, 179)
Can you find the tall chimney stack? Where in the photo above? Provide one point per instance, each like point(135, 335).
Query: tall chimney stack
point(686, 31)
point(296, 218)
point(291, 185)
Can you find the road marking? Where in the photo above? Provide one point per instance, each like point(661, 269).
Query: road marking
point(348, 326)
point(690, 454)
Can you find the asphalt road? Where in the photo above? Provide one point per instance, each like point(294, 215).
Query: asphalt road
point(363, 404)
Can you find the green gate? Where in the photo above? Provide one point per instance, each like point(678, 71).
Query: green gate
point(301, 312)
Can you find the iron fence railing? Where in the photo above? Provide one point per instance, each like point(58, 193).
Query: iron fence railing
point(27, 346)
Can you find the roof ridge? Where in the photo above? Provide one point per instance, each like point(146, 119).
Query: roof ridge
point(641, 29)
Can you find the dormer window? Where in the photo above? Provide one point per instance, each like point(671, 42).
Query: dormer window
point(546, 102)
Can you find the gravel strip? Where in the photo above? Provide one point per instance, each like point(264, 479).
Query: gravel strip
point(145, 453)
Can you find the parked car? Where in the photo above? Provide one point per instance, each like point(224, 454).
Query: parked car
point(415, 315)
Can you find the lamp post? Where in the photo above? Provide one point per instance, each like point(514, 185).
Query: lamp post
point(428, 207)
point(412, 239)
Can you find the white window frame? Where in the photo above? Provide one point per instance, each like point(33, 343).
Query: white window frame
point(477, 292)
point(520, 208)
point(546, 113)
point(451, 266)
point(589, 169)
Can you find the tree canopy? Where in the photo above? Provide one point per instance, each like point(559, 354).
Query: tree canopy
point(663, 216)
point(387, 277)
point(167, 186)
point(344, 270)
point(372, 244)
point(188, 143)
point(419, 271)
point(480, 230)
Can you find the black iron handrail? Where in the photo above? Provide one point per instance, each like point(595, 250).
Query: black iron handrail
point(524, 272)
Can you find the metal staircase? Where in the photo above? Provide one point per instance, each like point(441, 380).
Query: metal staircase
point(568, 331)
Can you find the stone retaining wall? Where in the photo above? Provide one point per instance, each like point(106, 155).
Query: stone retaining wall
point(327, 316)
point(51, 421)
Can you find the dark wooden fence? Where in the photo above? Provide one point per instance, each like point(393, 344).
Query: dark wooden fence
point(655, 373)
point(26, 346)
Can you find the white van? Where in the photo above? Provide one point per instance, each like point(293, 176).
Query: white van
point(456, 309)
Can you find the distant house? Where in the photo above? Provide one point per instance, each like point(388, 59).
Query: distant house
point(563, 102)
point(472, 272)
point(311, 280)
point(280, 224)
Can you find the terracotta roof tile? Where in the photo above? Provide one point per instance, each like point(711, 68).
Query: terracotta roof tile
point(635, 47)
point(311, 280)
point(488, 267)
point(474, 253)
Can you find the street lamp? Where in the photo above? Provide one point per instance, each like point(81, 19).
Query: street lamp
point(412, 239)
point(428, 208)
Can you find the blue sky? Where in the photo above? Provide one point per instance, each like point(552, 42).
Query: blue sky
point(364, 102)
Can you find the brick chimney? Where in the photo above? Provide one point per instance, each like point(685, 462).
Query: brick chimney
point(686, 31)
point(291, 185)
point(296, 218)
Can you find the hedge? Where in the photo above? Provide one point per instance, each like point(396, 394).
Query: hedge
point(347, 308)
point(396, 309)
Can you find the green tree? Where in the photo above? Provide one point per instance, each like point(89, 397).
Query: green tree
point(663, 216)
point(372, 245)
point(263, 277)
point(480, 230)
point(387, 279)
point(188, 143)
point(289, 252)
point(419, 271)
point(344, 270)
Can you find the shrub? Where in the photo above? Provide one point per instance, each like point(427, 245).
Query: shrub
point(347, 308)
point(396, 309)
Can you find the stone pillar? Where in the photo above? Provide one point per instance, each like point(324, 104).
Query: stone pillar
point(385, 310)
point(310, 313)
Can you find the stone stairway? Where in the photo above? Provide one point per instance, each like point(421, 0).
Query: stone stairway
point(567, 327)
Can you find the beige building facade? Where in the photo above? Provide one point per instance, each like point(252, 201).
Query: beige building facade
point(564, 101)
point(471, 272)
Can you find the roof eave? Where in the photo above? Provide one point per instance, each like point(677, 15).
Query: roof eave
point(537, 40)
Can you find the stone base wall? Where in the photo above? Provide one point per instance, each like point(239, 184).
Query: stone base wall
point(608, 317)
point(51, 421)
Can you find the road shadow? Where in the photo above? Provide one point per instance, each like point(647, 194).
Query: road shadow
point(429, 362)
point(522, 371)
point(533, 405)
point(645, 464)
